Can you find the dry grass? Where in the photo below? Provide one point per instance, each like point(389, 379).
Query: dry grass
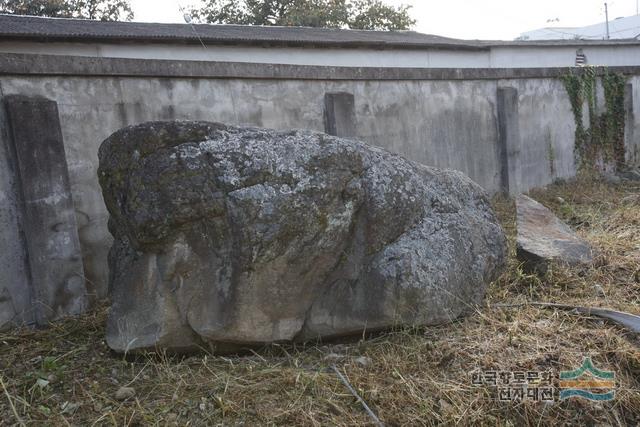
point(415, 377)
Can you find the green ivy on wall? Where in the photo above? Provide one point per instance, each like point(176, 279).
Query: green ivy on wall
point(603, 140)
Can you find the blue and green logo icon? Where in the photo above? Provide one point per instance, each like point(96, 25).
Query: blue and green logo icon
point(588, 382)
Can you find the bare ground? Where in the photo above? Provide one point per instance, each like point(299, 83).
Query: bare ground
point(66, 375)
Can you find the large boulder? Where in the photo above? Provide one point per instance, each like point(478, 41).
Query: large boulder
point(544, 239)
point(232, 237)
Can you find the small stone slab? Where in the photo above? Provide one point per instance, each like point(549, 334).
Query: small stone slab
point(543, 238)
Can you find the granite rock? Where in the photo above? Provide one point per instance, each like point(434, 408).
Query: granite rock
point(229, 237)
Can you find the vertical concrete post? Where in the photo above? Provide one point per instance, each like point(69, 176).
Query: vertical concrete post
point(509, 139)
point(15, 287)
point(339, 114)
point(49, 222)
point(631, 146)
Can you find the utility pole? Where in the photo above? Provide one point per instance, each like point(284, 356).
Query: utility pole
point(606, 15)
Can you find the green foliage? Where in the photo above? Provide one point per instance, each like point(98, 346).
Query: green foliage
point(105, 10)
point(50, 365)
point(615, 120)
point(573, 85)
point(52, 8)
point(603, 139)
point(375, 15)
point(356, 14)
point(551, 154)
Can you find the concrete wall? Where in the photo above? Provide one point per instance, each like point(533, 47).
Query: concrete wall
point(499, 56)
point(440, 122)
point(547, 131)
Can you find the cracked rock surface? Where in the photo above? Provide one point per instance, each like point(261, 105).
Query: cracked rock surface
point(228, 237)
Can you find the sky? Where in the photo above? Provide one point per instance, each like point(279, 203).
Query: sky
point(465, 19)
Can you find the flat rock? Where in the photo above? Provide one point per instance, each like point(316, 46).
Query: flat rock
point(228, 237)
point(543, 238)
point(125, 393)
point(363, 361)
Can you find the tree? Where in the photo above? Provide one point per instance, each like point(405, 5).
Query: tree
point(105, 10)
point(357, 14)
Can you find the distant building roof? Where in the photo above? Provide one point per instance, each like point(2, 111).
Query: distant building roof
point(621, 28)
point(59, 29)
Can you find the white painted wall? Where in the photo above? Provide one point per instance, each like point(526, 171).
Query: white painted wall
point(562, 56)
point(514, 56)
point(268, 55)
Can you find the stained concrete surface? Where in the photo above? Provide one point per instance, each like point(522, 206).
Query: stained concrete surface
point(443, 123)
point(49, 229)
point(15, 297)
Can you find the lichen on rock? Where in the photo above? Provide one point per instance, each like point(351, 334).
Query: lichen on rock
point(235, 236)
